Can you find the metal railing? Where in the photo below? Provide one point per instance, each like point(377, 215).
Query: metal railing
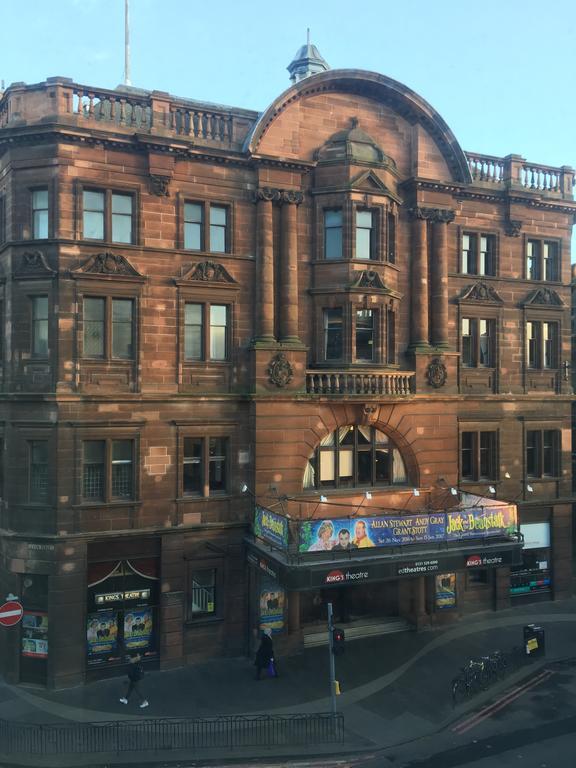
point(223, 731)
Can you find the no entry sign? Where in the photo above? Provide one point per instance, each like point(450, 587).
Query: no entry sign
point(11, 613)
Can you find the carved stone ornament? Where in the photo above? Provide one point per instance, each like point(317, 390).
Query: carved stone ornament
point(369, 278)
point(480, 291)
point(370, 413)
point(208, 272)
point(435, 215)
point(268, 193)
point(278, 195)
point(108, 264)
point(159, 185)
point(34, 264)
point(280, 371)
point(512, 227)
point(436, 373)
point(292, 196)
point(544, 297)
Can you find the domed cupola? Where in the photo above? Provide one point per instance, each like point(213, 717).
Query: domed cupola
point(308, 61)
point(353, 145)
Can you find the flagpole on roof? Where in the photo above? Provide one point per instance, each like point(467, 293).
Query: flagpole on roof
point(127, 43)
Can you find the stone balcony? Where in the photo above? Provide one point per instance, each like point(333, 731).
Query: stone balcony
point(360, 382)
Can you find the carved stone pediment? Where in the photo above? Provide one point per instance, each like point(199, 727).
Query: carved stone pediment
point(369, 182)
point(107, 265)
point(544, 297)
point(369, 278)
point(207, 272)
point(33, 264)
point(481, 291)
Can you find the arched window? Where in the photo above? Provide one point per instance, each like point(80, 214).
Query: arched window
point(355, 457)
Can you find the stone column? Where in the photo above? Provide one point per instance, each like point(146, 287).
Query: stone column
point(419, 281)
point(289, 267)
point(293, 612)
point(440, 278)
point(265, 266)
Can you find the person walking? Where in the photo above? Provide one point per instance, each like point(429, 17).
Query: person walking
point(265, 655)
point(135, 674)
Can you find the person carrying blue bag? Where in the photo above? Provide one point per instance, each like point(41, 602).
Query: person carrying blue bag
point(265, 655)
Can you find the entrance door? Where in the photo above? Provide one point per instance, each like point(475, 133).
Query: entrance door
point(122, 612)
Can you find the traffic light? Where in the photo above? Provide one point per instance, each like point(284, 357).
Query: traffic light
point(337, 641)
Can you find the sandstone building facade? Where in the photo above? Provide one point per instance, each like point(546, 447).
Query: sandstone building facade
point(328, 311)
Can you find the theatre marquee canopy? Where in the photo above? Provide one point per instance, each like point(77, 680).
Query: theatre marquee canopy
point(328, 552)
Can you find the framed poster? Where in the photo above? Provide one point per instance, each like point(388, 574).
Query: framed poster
point(272, 598)
point(35, 634)
point(445, 597)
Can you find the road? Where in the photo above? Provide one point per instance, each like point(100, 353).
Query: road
point(532, 725)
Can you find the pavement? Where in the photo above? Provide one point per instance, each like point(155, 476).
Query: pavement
point(396, 694)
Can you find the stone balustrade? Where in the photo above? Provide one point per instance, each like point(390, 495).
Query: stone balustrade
point(513, 171)
point(152, 112)
point(367, 382)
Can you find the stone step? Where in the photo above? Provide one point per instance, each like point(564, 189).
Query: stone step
point(357, 631)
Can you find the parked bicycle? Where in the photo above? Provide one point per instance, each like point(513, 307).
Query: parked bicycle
point(481, 672)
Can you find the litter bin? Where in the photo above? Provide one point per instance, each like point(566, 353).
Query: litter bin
point(534, 640)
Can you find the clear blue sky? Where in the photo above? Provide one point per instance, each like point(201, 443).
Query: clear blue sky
point(501, 73)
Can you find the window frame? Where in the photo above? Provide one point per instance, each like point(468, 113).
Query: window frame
point(203, 565)
point(30, 443)
point(33, 298)
point(206, 225)
point(475, 344)
point(325, 334)
point(33, 210)
point(205, 461)
point(383, 245)
point(335, 449)
point(206, 330)
point(539, 435)
point(108, 336)
point(541, 243)
point(475, 235)
point(109, 193)
point(476, 475)
point(107, 496)
point(372, 230)
point(537, 361)
point(3, 219)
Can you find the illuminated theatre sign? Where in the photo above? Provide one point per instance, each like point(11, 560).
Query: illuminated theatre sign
point(271, 527)
point(391, 531)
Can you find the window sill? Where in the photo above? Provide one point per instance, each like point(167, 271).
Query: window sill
point(544, 479)
point(307, 493)
point(203, 621)
point(206, 363)
point(114, 503)
point(108, 360)
point(208, 254)
point(107, 243)
point(381, 262)
point(195, 499)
